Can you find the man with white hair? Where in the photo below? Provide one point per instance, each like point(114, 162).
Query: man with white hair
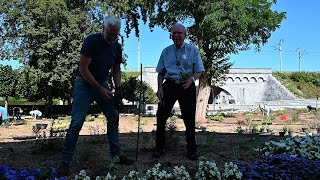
point(100, 52)
point(179, 66)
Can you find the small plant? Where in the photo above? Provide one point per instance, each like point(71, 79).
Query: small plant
point(90, 118)
point(255, 128)
point(5, 124)
point(291, 128)
point(240, 130)
point(266, 121)
point(281, 112)
point(217, 117)
point(171, 138)
point(185, 76)
point(285, 128)
point(295, 116)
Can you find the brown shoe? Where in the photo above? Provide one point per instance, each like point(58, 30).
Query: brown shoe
point(63, 170)
point(123, 160)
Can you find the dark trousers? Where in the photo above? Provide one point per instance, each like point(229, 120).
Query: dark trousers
point(187, 100)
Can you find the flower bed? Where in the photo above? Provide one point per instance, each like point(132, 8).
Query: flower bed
point(306, 147)
point(281, 166)
point(291, 158)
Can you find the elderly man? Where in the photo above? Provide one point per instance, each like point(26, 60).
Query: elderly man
point(179, 65)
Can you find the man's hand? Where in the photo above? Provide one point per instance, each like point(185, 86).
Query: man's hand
point(105, 93)
point(118, 96)
point(187, 83)
point(160, 93)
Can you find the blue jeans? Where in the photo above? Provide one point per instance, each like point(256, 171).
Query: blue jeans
point(84, 95)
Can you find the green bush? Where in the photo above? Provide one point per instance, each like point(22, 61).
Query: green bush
point(301, 84)
point(217, 117)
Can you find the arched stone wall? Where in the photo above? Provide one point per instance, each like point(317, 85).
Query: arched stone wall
point(245, 86)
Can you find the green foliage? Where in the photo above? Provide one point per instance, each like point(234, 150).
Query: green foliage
point(8, 81)
point(280, 112)
point(221, 27)
point(128, 74)
point(171, 138)
point(301, 84)
point(285, 128)
point(255, 128)
point(266, 121)
point(217, 117)
point(46, 36)
point(90, 117)
point(132, 89)
point(59, 125)
point(295, 116)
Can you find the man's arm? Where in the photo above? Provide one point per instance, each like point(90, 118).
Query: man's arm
point(160, 90)
point(118, 94)
point(86, 74)
point(117, 75)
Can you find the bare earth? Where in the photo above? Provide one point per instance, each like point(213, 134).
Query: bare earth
point(220, 142)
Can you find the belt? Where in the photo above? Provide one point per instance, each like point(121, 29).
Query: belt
point(178, 81)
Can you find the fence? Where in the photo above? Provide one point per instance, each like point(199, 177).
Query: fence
point(63, 109)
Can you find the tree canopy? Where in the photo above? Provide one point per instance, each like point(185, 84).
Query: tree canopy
point(8, 81)
point(47, 34)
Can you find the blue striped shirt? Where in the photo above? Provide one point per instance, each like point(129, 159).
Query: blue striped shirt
point(174, 61)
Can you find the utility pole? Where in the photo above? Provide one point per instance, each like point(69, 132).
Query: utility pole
point(300, 53)
point(280, 53)
point(139, 52)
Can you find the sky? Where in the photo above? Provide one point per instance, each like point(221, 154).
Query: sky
point(299, 30)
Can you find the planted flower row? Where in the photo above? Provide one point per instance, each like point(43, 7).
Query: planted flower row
point(281, 166)
point(306, 147)
point(206, 170)
point(292, 158)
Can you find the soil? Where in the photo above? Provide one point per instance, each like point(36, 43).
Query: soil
point(220, 142)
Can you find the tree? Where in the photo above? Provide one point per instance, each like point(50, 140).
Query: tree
point(29, 84)
point(8, 80)
point(46, 35)
point(219, 28)
point(132, 89)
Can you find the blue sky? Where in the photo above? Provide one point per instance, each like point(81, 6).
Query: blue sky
point(299, 30)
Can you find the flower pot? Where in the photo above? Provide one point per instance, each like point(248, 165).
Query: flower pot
point(291, 134)
point(282, 133)
point(41, 126)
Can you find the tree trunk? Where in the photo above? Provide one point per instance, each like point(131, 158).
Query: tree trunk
point(48, 102)
point(6, 103)
point(202, 101)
